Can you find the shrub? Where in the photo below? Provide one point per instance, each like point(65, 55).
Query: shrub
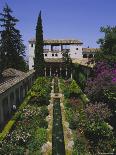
point(74, 89)
point(98, 130)
point(97, 112)
point(101, 82)
point(41, 87)
point(38, 138)
point(40, 101)
point(80, 146)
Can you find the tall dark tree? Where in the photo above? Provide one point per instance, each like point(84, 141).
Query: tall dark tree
point(12, 48)
point(39, 63)
point(1, 64)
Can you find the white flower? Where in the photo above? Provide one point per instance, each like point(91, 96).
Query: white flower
point(70, 145)
point(46, 147)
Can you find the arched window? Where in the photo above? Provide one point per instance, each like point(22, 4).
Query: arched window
point(90, 56)
point(84, 55)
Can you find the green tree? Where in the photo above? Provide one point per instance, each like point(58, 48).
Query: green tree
point(12, 48)
point(107, 44)
point(39, 62)
point(67, 61)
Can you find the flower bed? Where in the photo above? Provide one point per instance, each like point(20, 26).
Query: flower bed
point(29, 132)
point(91, 132)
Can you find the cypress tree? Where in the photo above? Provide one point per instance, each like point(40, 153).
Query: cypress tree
point(12, 48)
point(39, 63)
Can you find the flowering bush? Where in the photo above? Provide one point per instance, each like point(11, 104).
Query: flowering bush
point(74, 102)
point(89, 119)
point(97, 112)
point(103, 80)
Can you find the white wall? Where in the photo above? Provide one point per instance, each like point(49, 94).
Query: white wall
point(31, 56)
point(75, 52)
point(49, 55)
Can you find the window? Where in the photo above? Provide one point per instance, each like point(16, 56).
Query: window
point(56, 54)
point(45, 55)
point(84, 55)
point(90, 55)
point(52, 55)
point(31, 45)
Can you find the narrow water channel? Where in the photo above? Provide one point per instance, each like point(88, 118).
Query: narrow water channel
point(58, 146)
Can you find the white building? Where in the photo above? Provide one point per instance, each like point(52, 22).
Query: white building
point(53, 50)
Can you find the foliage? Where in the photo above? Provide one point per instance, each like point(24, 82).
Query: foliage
point(80, 146)
point(11, 123)
point(67, 62)
point(90, 121)
point(80, 75)
point(29, 131)
point(98, 130)
point(39, 57)
point(66, 58)
point(74, 89)
point(39, 93)
point(12, 49)
point(36, 143)
point(7, 129)
point(102, 81)
point(97, 112)
point(107, 45)
point(41, 87)
point(26, 129)
point(82, 80)
point(56, 88)
point(65, 88)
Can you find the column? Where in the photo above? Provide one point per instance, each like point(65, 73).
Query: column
point(71, 74)
point(56, 73)
point(60, 71)
point(50, 71)
point(45, 71)
point(9, 104)
point(51, 48)
point(66, 71)
point(61, 47)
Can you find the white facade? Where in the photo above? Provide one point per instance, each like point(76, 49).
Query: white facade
point(53, 49)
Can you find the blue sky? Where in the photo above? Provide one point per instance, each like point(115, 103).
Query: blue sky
point(64, 19)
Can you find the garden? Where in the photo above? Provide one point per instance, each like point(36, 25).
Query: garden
point(29, 131)
point(58, 117)
point(92, 116)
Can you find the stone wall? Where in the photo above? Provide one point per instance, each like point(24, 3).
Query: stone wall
point(12, 93)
